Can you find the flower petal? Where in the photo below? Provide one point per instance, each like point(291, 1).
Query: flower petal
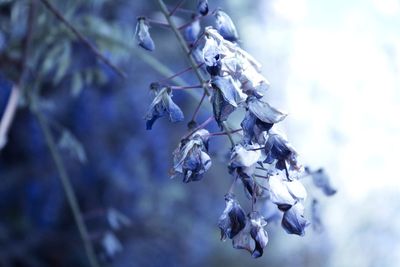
point(264, 111)
point(233, 219)
point(225, 26)
point(142, 34)
point(293, 220)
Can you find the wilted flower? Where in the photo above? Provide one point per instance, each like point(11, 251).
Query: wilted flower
point(263, 111)
point(253, 237)
point(277, 148)
point(285, 194)
point(322, 181)
point(202, 7)
point(254, 129)
point(225, 26)
point(233, 219)
point(293, 220)
point(143, 35)
point(191, 158)
point(162, 105)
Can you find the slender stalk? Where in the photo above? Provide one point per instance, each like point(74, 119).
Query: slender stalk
point(68, 189)
point(180, 73)
point(201, 126)
point(180, 3)
point(225, 133)
point(9, 114)
point(182, 43)
point(82, 38)
point(261, 176)
point(196, 111)
point(186, 50)
point(232, 187)
point(186, 87)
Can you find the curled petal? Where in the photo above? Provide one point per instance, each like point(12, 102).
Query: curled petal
point(293, 220)
point(211, 53)
point(192, 32)
point(264, 111)
point(296, 189)
point(142, 34)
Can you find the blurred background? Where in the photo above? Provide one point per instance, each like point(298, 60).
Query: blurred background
point(334, 66)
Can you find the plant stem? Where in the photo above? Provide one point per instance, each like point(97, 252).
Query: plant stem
point(193, 63)
point(225, 133)
point(183, 45)
point(201, 126)
point(68, 189)
point(180, 73)
point(82, 38)
point(176, 7)
point(186, 87)
point(196, 111)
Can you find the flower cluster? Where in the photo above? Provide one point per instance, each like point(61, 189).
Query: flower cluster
point(261, 159)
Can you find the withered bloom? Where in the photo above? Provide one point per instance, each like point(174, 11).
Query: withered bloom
point(142, 34)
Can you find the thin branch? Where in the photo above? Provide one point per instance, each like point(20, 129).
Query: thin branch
point(68, 189)
point(183, 44)
point(225, 133)
point(232, 187)
point(82, 38)
point(201, 126)
point(196, 111)
point(180, 73)
point(9, 115)
point(176, 8)
point(186, 87)
point(12, 105)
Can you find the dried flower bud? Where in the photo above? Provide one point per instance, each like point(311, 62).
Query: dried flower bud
point(202, 7)
point(225, 26)
point(253, 237)
point(163, 105)
point(191, 158)
point(142, 34)
point(233, 219)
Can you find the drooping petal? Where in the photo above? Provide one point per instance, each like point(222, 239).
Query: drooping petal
point(163, 104)
point(253, 128)
point(264, 111)
point(225, 26)
point(195, 165)
point(222, 108)
point(202, 7)
point(233, 219)
point(258, 234)
point(243, 239)
point(296, 189)
point(280, 194)
point(244, 157)
point(142, 34)
point(293, 220)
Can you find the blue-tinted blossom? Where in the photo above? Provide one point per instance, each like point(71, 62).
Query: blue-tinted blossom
point(192, 31)
point(254, 129)
point(253, 237)
point(278, 149)
point(233, 219)
point(322, 181)
point(162, 105)
point(293, 220)
point(191, 158)
point(284, 193)
point(202, 7)
point(142, 34)
point(225, 26)
point(263, 111)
